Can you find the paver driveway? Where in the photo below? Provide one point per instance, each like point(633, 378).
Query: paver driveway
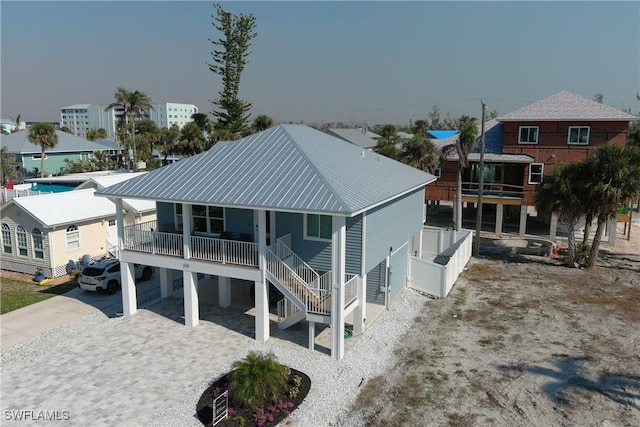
point(123, 374)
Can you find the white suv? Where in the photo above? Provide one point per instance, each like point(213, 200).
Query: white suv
point(105, 275)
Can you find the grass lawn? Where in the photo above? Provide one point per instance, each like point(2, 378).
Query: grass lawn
point(15, 294)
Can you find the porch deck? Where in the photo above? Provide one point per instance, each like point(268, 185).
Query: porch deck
point(144, 238)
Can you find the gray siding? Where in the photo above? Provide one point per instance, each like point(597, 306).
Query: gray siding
point(353, 256)
point(375, 281)
point(390, 225)
point(316, 254)
point(238, 221)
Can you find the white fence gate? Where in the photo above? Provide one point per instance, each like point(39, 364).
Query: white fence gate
point(444, 254)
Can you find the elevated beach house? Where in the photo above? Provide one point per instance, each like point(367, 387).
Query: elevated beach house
point(320, 219)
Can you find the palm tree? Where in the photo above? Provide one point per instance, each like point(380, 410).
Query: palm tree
point(257, 378)
point(93, 134)
point(463, 146)
point(191, 139)
point(560, 194)
point(134, 104)
point(44, 135)
point(614, 181)
point(16, 120)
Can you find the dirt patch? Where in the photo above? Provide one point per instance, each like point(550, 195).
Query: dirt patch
point(520, 341)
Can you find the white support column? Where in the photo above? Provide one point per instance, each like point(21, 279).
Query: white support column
point(360, 312)
point(191, 308)
point(553, 226)
point(186, 229)
point(224, 291)
point(129, 301)
point(523, 220)
point(272, 227)
point(338, 245)
point(499, 218)
point(120, 225)
point(166, 282)
point(312, 335)
point(262, 295)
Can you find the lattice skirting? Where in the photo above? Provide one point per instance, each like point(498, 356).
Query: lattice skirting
point(57, 271)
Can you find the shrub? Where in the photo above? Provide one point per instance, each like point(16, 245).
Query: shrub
point(256, 379)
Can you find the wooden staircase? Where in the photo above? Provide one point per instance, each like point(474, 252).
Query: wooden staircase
point(304, 290)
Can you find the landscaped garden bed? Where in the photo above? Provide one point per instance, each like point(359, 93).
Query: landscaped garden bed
point(262, 392)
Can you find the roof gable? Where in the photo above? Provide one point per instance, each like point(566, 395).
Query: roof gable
point(53, 209)
point(567, 106)
point(287, 167)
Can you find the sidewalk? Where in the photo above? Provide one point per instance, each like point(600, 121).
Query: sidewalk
point(27, 322)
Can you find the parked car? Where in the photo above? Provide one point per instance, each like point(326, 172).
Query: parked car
point(105, 276)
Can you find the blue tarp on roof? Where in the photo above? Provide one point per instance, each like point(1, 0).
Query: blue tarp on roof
point(442, 134)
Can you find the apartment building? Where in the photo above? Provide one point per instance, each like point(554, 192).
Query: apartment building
point(81, 117)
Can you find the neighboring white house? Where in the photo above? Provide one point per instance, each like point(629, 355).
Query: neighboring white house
point(46, 231)
point(332, 226)
point(79, 118)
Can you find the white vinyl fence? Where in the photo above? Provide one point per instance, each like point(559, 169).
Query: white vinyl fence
point(444, 254)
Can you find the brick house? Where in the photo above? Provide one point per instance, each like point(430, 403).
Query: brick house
point(524, 145)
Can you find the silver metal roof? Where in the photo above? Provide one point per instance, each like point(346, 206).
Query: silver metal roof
point(566, 105)
point(358, 137)
point(68, 207)
point(287, 167)
point(18, 143)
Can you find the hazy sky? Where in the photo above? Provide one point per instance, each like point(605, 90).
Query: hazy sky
point(318, 62)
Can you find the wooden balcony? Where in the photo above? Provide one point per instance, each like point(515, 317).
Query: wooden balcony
point(505, 194)
point(144, 238)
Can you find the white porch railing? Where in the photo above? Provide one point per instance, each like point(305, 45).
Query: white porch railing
point(286, 309)
point(350, 289)
point(301, 268)
point(224, 251)
point(143, 238)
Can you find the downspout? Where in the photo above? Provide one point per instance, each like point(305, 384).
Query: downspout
point(388, 279)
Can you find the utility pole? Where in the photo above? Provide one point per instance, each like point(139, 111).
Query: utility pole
point(476, 247)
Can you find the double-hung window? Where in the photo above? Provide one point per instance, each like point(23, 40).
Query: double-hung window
point(21, 235)
point(317, 227)
point(578, 135)
point(38, 247)
point(6, 239)
point(528, 134)
point(205, 219)
point(73, 238)
point(536, 172)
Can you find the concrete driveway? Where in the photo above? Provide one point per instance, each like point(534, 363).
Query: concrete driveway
point(24, 323)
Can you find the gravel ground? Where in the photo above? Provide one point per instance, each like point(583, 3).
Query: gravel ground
point(334, 384)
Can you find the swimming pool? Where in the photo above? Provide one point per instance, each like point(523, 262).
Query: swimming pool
point(52, 188)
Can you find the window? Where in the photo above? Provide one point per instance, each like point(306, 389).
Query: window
point(38, 247)
point(437, 172)
point(6, 239)
point(528, 135)
point(38, 156)
point(21, 235)
point(536, 172)
point(317, 227)
point(73, 238)
point(205, 219)
point(112, 222)
point(578, 135)
point(208, 219)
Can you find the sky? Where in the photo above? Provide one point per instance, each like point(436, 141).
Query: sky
point(363, 62)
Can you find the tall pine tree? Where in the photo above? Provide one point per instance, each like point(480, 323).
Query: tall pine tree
point(229, 60)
